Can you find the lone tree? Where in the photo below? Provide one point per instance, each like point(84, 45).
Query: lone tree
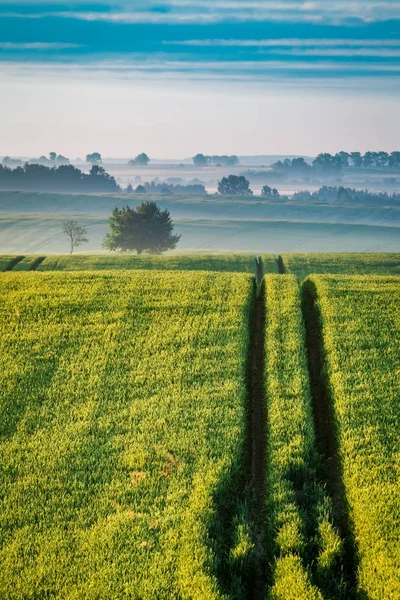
point(144, 229)
point(236, 185)
point(200, 160)
point(269, 192)
point(94, 158)
point(75, 233)
point(142, 160)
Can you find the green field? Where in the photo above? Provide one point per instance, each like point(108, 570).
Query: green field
point(302, 542)
point(360, 322)
point(123, 426)
point(336, 263)
point(81, 262)
point(133, 465)
point(241, 263)
point(7, 260)
point(28, 263)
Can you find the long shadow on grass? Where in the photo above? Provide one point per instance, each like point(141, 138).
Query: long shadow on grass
point(237, 533)
point(327, 443)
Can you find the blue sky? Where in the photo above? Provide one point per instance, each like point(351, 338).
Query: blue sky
point(151, 70)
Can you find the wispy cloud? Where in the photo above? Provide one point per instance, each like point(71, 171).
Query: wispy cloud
point(218, 11)
point(127, 65)
point(38, 46)
point(286, 42)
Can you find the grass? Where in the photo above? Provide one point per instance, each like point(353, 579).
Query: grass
point(303, 545)
point(28, 263)
point(123, 424)
point(359, 318)
point(351, 263)
point(7, 261)
point(218, 262)
point(270, 264)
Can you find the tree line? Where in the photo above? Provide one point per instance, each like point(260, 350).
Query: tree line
point(65, 178)
point(331, 163)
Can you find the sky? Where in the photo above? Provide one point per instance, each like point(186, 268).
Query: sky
point(177, 77)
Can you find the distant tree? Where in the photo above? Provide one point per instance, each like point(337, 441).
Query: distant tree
point(236, 185)
point(269, 192)
point(12, 162)
point(200, 160)
point(61, 160)
point(53, 156)
point(382, 159)
point(129, 189)
point(141, 189)
point(142, 160)
point(75, 233)
point(299, 164)
point(144, 229)
point(327, 163)
point(369, 159)
point(394, 160)
point(356, 159)
point(100, 180)
point(94, 158)
point(344, 158)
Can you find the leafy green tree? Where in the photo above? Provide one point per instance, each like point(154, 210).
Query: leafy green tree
point(75, 233)
point(236, 185)
point(141, 189)
point(269, 192)
point(144, 229)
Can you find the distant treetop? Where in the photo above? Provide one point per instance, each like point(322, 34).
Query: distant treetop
point(236, 185)
point(142, 160)
point(94, 158)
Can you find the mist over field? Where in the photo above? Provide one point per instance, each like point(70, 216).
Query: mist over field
point(31, 222)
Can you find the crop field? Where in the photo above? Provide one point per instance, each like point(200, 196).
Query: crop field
point(6, 261)
point(269, 262)
point(81, 262)
point(28, 263)
point(133, 465)
point(242, 263)
point(346, 263)
point(123, 425)
point(302, 542)
point(360, 321)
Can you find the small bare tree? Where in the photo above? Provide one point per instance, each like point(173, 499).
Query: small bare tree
point(75, 233)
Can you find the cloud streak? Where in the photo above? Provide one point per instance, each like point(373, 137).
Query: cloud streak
point(218, 11)
point(38, 46)
point(286, 42)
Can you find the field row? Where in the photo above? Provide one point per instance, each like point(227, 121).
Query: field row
point(340, 263)
point(242, 263)
point(125, 409)
point(301, 265)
